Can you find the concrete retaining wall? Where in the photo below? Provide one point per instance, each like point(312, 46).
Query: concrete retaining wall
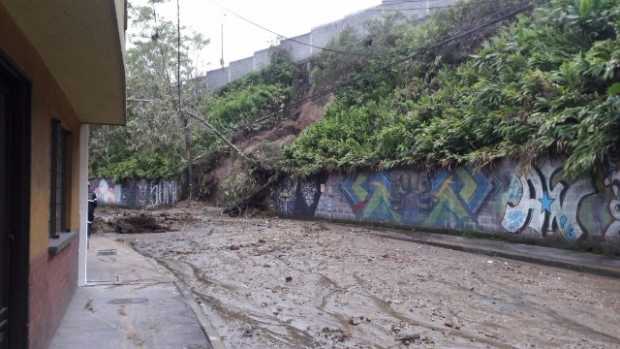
point(218, 77)
point(538, 203)
point(136, 193)
point(241, 68)
point(299, 49)
point(262, 59)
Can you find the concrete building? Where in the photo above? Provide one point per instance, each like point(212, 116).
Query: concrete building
point(61, 68)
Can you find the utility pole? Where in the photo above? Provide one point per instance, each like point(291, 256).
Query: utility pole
point(222, 62)
point(187, 131)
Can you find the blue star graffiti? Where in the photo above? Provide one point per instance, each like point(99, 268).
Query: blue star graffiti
point(544, 204)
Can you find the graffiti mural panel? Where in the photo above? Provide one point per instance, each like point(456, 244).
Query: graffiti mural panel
point(613, 182)
point(370, 197)
point(534, 203)
point(135, 193)
point(539, 202)
point(107, 192)
point(446, 199)
point(296, 198)
point(412, 196)
point(458, 196)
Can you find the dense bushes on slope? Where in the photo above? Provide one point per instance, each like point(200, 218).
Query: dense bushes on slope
point(252, 103)
point(547, 83)
point(151, 144)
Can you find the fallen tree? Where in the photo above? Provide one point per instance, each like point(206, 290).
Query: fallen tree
point(264, 174)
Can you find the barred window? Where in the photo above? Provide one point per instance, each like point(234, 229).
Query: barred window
point(60, 175)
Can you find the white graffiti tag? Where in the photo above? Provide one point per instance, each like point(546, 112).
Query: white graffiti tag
point(285, 197)
point(309, 191)
point(163, 193)
point(536, 201)
point(613, 231)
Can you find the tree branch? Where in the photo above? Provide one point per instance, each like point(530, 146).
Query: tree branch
point(218, 134)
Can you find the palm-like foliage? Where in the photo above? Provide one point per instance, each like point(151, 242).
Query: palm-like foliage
point(545, 84)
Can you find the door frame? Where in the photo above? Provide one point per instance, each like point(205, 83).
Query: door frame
point(19, 179)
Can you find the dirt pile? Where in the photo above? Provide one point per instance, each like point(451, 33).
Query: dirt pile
point(213, 173)
point(141, 222)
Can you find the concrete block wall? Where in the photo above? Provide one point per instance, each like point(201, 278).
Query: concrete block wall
point(241, 68)
point(262, 59)
point(218, 77)
point(537, 203)
point(136, 194)
point(299, 49)
point(323, 35)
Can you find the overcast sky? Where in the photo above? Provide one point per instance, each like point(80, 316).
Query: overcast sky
point(241, 39)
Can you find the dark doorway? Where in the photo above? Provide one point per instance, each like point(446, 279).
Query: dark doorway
point(14, 206)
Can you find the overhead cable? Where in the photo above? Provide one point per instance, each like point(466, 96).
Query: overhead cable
point(283, 37)
point(419, 51)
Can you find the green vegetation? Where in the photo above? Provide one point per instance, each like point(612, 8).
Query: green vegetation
point(250, 104)
point(547, 83)
point(254, 103)
point(152, 145)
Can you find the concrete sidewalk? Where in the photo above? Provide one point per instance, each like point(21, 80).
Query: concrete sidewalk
point(130, 303)
point(556, 257)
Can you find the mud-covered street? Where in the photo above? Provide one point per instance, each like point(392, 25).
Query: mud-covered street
point(271, 283)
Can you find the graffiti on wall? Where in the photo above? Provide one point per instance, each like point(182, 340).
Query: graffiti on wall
point(297, 197)
point(613, 182)
point(459, 195)
point(108, 193)
point(370, 197)
point(447, 199)
point(540, 201)
point(412, 196)
point(162, 193)
point(136, 194)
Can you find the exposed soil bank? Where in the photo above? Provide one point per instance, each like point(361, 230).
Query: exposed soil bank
point(270, 283)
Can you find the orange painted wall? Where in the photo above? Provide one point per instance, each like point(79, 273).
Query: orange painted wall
point(48, 101)
point(52, 279)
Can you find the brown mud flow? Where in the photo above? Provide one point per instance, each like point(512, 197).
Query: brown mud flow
point(269, 283)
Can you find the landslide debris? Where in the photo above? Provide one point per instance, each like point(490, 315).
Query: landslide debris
point(141, 222)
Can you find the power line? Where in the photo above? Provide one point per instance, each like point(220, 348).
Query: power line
point(343, 52)
point(450, 39)
point(397, 2)
point(427, 4)
point(420, 8)
point(401, 2)
point(430, 2)
point(247, 20)
point(433, 7)
point(417, 52)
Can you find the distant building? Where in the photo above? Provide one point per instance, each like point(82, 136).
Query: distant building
point(61, 68)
